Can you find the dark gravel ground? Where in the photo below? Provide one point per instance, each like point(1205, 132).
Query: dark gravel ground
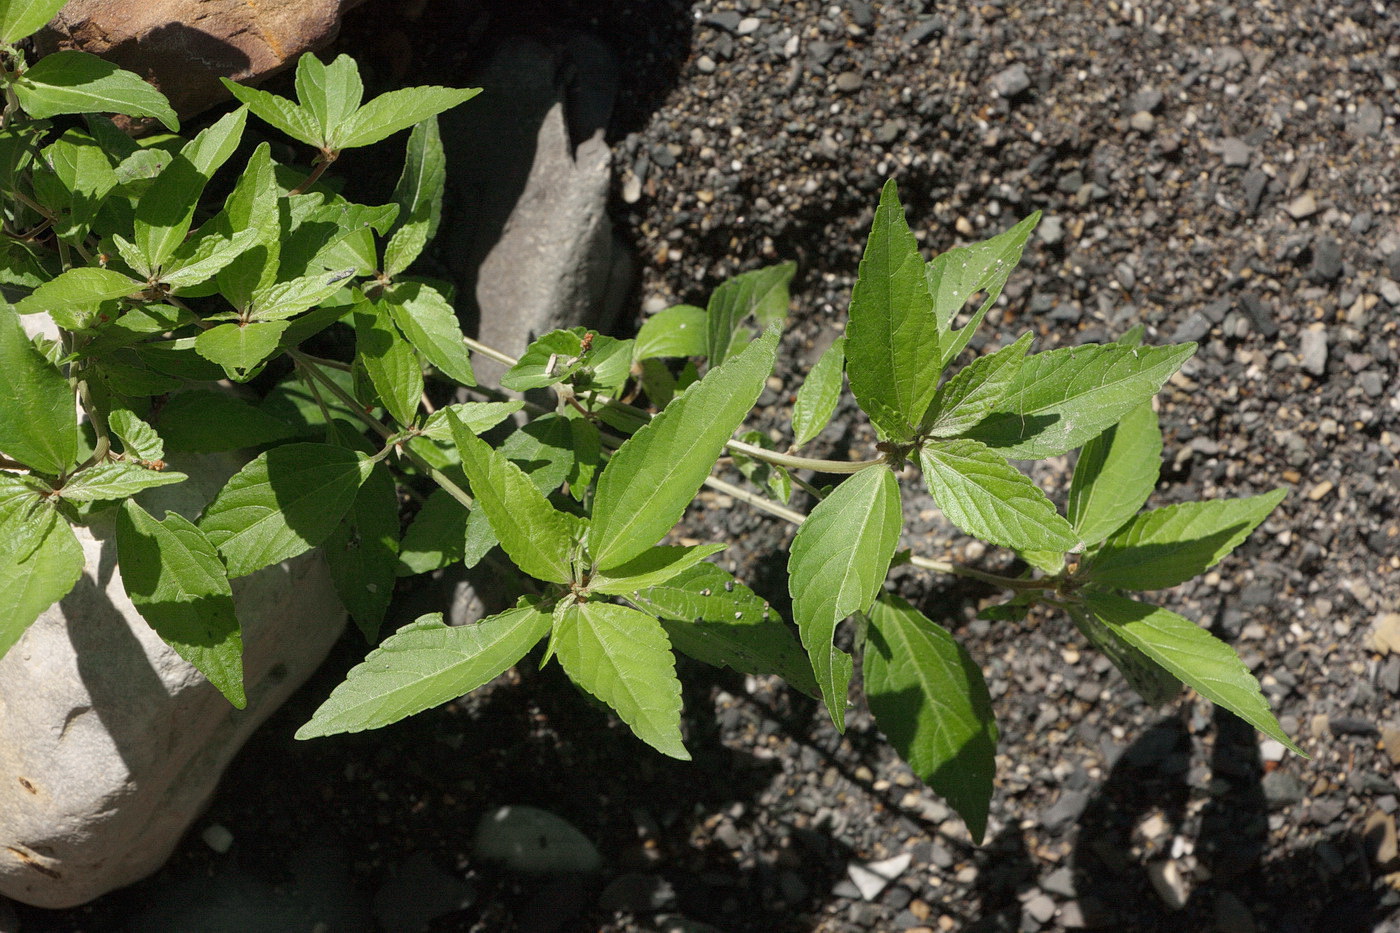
point(1220, 173)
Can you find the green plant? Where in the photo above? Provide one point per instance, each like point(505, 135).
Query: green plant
point(158, 294)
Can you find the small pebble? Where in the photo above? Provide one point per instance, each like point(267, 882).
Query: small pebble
point(1302, 207)
point(1011, 81)
point(1143, 121)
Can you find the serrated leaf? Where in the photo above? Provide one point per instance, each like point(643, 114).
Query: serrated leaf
point(38, 420)
point(1170, 545)
point(164, 213)
point(430, 324)
point(587, 445)
point(73, 298)
point(762, 293)
point(177, 582)
point(283, 503)
point(962, 272)
point(537, 536)
point(971, 394)
point(476, 417)
point(425, 664)
point(892, 336)
point(548, 360)
point(623, 657)
point(419, 196)
point(1115, 474)
point(715, 619)
point(930, 701)
point(390, 361)
point(651, 478)
point(40, 561)
point(836, 566)
point(990, 499)
point(240, 348)
point(362, 551)
point(1191, 654)
point(389, 113)
point(114, 479)
point(329, 93)
point(1149, 680)
point(677, 331)
point(651, 568)
point(72, 179)
point(436, 537)
point(544, 450)
point(204, 421)
point(21, 18)
point(138, 438)
point(818, 394)
point(281, 113)
point(281, 300)
point(76, 82)
point(1064, 397)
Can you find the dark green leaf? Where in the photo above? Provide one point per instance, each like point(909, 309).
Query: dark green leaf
point(390, 361)
point(960, 273)
point(676, 331)
point(363, 549)
point(76, 82)
point(436, 538)
point(970, 396)
point(476, 417)
point(1115, 474)
point(548, 360)
point(419, 196)
point(40, 560)
point(1149, 680)
point(544, 449)
point(139, 439)
point(240, 348)
point(762, 293)
point(38, 418)
point(818, 394)
point(204, 421)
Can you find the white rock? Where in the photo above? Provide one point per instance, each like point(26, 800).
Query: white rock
point(1168, 882)
point(535, 841)
point(870, 878)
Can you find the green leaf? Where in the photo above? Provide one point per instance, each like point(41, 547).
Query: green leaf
point(1193, 655)
point(715, 619)
point(363, 549)
point(389, 113)
point(651, 568)
point(329, 93)
point(675, 332)
point(38, 417)
point(240, 348)
point(990, 499)
point(836, 566)
point(425, 664)
point(282, 504)
point(544, 449)
point(970, 396)
point(40, 561)
point(177, 582)
point(139, 439)
point(623, 657)
point(73, 298)
point(930, 700)
point(419, 196)
point(1167, 546)
point(960, 273)
point(76, 82)
point(430, 324)
point(586, 442)
point(818, 394)
point(390, 361)
point(281, 113)
point(1062, 398)
point(114, 479)
point(436, 537)
point(476, 417)
point(203, 421)
point(72, 179)
point(1149, 680)
point(1115, 474)
point(892, 336)
point(537, 536)
point(762, 293)
point(646, 486)
point(548, 360)
point(164, 214)
point(22, 18)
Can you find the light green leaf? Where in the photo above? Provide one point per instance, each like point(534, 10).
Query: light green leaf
point(40, 561)
point(72, 179)
point(203, 421)
point(990, 499)
point(76, 82)
point(836, 566)
point(239, 348)
point(22, 18)
point(762, 293)
point(1167, 546)
point(281, 113)
point(363, 549)
point(675, 332)
point(164, 213)
point(622, 657)
point(930, 701)
point(425, 664)
point(960, 273)
point(651, 568)
point(214, 144)
point(818, 394)
point(974, 391)
point(476, 417)
point(329, 93)
point(282, 300)
point(114, 479)
point(1062, 398)
point(544, 449)
point(282, 504)
point(1148, 679)
point(892, 336)
point(436, 537)
point(389, 113)
point(549, 359)
point(177, 582)
point(419, 196)
point(538, 537)
point(713, 618)
point(430, 324)
point(1193, 655)
point(1115, 474)
point(390, 361)
point(646, 486)
point(38, 417)
point(139, 439)
point(75, 296)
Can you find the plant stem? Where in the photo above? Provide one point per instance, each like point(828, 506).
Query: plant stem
point(802, 463)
